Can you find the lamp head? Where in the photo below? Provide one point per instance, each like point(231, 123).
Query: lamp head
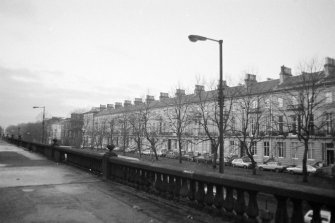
point(195, 38)
point(35, 107)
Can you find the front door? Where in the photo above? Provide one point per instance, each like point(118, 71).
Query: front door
point(330, 157)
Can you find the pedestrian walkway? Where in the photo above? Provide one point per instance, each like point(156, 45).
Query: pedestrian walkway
point(33, 189)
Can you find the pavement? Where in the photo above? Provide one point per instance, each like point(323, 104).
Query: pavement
point(34, 189)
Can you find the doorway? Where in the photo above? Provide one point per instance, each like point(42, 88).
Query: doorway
point(330, 157)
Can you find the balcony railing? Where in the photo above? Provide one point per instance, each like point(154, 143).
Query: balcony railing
point(226, 194)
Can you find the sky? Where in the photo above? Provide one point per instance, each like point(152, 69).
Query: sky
point(71, 55)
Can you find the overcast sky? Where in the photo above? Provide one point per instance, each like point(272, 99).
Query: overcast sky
point(73, 54)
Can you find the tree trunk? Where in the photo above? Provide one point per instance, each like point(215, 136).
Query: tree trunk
point(304, 162)
point(215, 152)
point(153, 146)
point(180, 147)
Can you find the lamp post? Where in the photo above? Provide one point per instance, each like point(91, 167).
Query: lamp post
point(194, 38)
point(43, 120)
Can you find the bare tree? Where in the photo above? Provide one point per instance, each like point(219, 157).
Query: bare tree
point(206, 113)
point(249, 112)
point(152, 123)
point(304, 114)
point(112, 129)
point(124, 127)
point(100, 132)
point(136, 121)
point(178, 116)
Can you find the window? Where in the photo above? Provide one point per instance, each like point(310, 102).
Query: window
point(329, 97)
point(311, 124)
point(280, 102)
point(253, 126)
point(329, 122)
point(280, 124)
point(233, 123)
point(293, 124)
point(294, 100)
point(266, 146)
point(253, 148)
point(311, 151)
point(294, 150)
point(281, 146)
point(267, 103)
point(255, 104)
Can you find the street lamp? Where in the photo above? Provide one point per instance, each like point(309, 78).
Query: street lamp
point(43, 120)
point(195, 38)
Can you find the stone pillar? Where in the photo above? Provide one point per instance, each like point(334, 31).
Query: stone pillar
point(105, 166)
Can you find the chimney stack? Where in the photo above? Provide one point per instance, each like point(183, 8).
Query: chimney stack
point(118, 105)
point(180, 92)
point(163, 96)
point(198, 89)
point(110, 106)
point(138, 101)
point(250, 79)
point(329, 67)
point(224, 84)
point(285, 73)
point(102, 107)
point(150, 99)
point(127, 103)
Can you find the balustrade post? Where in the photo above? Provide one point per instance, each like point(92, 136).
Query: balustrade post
point(171, 186)
point(281, 212)
point(239, 205)
point(297, 215)
point(158, 184)
point(191, 192)
point(332, 211)
point(105, 167)
point(165, 186)
point(177, 188)
point(209, 197)
point(252, 210)
point(229, 200)
point(218, 199)
point(200, 194)
point(184, 188)
point(316, 212)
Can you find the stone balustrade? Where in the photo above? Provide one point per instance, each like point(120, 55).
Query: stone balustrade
point(231, 196)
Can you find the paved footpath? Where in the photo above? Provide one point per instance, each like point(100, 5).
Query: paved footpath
point(34, 189)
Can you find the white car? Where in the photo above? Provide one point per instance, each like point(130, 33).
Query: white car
point(240, 163)
point(275, 166)
point(298, 169)
point(325, 216)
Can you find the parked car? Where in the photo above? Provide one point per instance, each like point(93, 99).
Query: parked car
point(298, 169)
point(240, 163)
point(161, 152)
point(325, 216)
point(227, 160)
point(189, 156)
point(171, 154)
point(203, 158)
point(130, 150)
point(274, 166)
point(146, 151)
